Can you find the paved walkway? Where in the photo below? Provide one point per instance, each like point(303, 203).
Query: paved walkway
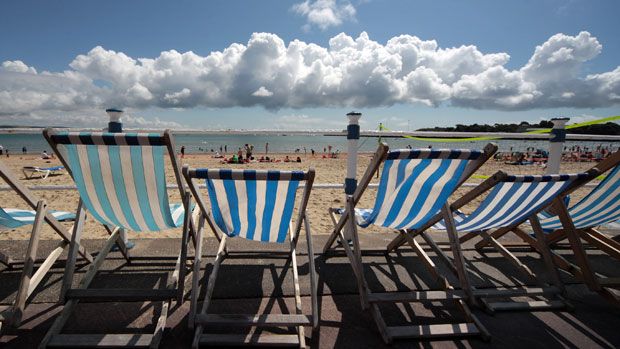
point(246, 285)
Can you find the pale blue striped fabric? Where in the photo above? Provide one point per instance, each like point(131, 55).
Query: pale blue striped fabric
point(600, 206)
point(251, 208)
point(414, 185)
point(11, 218)
point(121, 178)
point(513, 201)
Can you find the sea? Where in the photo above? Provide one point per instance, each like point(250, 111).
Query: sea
point(282, 143)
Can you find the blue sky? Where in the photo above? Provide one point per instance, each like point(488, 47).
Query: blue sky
point(63, 62)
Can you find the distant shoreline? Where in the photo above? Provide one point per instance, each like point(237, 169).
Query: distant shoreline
point(339, 133)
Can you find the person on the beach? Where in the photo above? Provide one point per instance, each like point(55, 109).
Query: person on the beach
point(225, 148)
point(24, 150)
point(286, 159)
point(182, 151)
point(44, 155)
point(298, 159)
point(1, 149)
point(267, 148)
point(312, 151)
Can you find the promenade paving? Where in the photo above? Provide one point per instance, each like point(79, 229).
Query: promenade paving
point(246, 285)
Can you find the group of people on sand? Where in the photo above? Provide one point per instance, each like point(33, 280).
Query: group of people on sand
point(533, 156)
point(584, 154)
point(237, 159)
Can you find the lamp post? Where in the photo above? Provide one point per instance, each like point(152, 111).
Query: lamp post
point(556, 145)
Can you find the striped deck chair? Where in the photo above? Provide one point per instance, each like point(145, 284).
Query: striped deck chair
point(10, 219)
point(598, 207)
point(512, 200)
point(257, 206)
point(414, 186)
point(122, 184)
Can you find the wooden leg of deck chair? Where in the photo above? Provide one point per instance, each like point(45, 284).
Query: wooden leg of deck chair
point(174, 281)
point(467, 236)
point(31, 255)
point(601, 241)
point(509, 256)
point(313, 277)
point(495, 235)
point(78, 227)
point(426, 260)
point(338, 226)
point(196, 273)
point(545, 252)
point(210, 286)
point(187, 227)
point(555, 236)
point(580, 254)
point(70, 305)
point(459, 260)
point(357, 255)
point(559, 261)
point(120, 242)
point(298, 310)
point(440, 253)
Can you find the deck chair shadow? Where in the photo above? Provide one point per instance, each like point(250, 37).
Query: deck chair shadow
point(511, 201)
point(122, 184)
point(413, 188)
point(11, 315)
point(258, 206)
point(578, 223)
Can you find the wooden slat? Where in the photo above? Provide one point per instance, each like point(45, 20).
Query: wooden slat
point(254, 320)
point(609, 282)
point(516, 291)
point(434, 331)
point(415, 296)
point(531, 305)
point(266, 340)
point(120, 294)
point(100, 340)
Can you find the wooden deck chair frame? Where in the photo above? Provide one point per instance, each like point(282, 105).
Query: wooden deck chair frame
point(583, 270)
point(369, 300)
point(543, 289)
point(201, 319)
point(11, 315)
point(71, 297)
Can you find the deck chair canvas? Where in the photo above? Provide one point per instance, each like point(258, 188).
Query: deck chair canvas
point(122, 184)
point(258, 206)
point(512, 200)
point(598, 207)
point(14, 218)
point(413, 187)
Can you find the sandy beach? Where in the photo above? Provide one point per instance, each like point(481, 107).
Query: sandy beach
point(327, 171)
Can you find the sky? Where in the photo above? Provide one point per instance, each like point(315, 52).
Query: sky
point(276, 64)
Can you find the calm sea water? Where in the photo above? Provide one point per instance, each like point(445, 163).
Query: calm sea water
point(197, 143)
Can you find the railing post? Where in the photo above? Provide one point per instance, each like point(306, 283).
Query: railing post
point(116, 126)
point(350, 181)
point(556, 145)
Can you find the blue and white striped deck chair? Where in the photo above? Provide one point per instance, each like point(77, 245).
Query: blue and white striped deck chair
point(512, 200)
point(121, 180)
point(258, 206)
point(598, 207)
point(12, 218)
point(414, 185)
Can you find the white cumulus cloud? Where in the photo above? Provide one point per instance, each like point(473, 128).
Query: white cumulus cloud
point(325, 13)
point(355, 72)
